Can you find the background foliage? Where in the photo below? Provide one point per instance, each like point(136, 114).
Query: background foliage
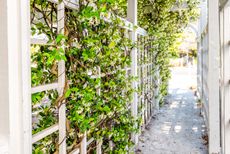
point(165, 20)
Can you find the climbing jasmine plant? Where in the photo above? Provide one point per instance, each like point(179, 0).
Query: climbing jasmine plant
point(97, 90)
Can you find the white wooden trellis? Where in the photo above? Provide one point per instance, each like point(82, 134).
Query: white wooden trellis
point(146, 82)
point(60, 84)
point(209, 70)
point(214, 72)
point(17, 38)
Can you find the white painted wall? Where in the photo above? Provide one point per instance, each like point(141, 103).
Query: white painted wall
point(4, 90)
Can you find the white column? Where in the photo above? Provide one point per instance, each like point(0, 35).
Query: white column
point(213, 76)
point(4, 79)
point(226, 78)
point(15, 75)
point(132, 17)
point(61, 84)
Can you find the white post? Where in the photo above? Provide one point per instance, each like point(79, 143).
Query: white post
point(4, 79)
point(132, 17)
point(213, 76)
point(15, 115)
point(99, 141)
point(84, 144)
point(226, 81)
point(61, 84)
point(26, 75)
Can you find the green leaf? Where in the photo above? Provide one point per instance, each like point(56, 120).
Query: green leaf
point(112, 45)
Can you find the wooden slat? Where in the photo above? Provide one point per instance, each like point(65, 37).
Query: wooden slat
point(84, 144)
point(44, 88)
point(39, 41)
point(75, 151)
point(98, 148)
point(90, 141)
point(71, 4)
point(142, 31)
point(226, 78)
point(61, 83)
point(46, 132)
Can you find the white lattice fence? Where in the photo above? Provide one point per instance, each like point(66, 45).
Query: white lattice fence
point(209, 70)
point(21, 139)
point(148, 79)
point(145, 75)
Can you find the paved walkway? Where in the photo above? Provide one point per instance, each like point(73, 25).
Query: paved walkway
point(178, 127)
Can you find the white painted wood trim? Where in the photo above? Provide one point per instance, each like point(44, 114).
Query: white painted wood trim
point(76, 151)
point(15, 74)
point(61, 84)
point(226, 79)
point(38, 41)
point(42, 88)
point(99, 144)
point(26, 75)
point(90, 141)
point(222, 79)
point(71, 4)
point(4, 79)
point(132, 17)
point(213, 76)
point(46, 132)
point(83, 149)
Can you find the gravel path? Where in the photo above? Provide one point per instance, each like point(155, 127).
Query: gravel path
point(178, 127)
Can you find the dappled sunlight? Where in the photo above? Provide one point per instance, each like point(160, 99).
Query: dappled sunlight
point(174, 104)
point(203, 128)
point(166, 127)
point(195, 129)
point(177, 128)
point(183, 104)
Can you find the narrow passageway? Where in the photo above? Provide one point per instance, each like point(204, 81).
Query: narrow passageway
point(178, 128)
